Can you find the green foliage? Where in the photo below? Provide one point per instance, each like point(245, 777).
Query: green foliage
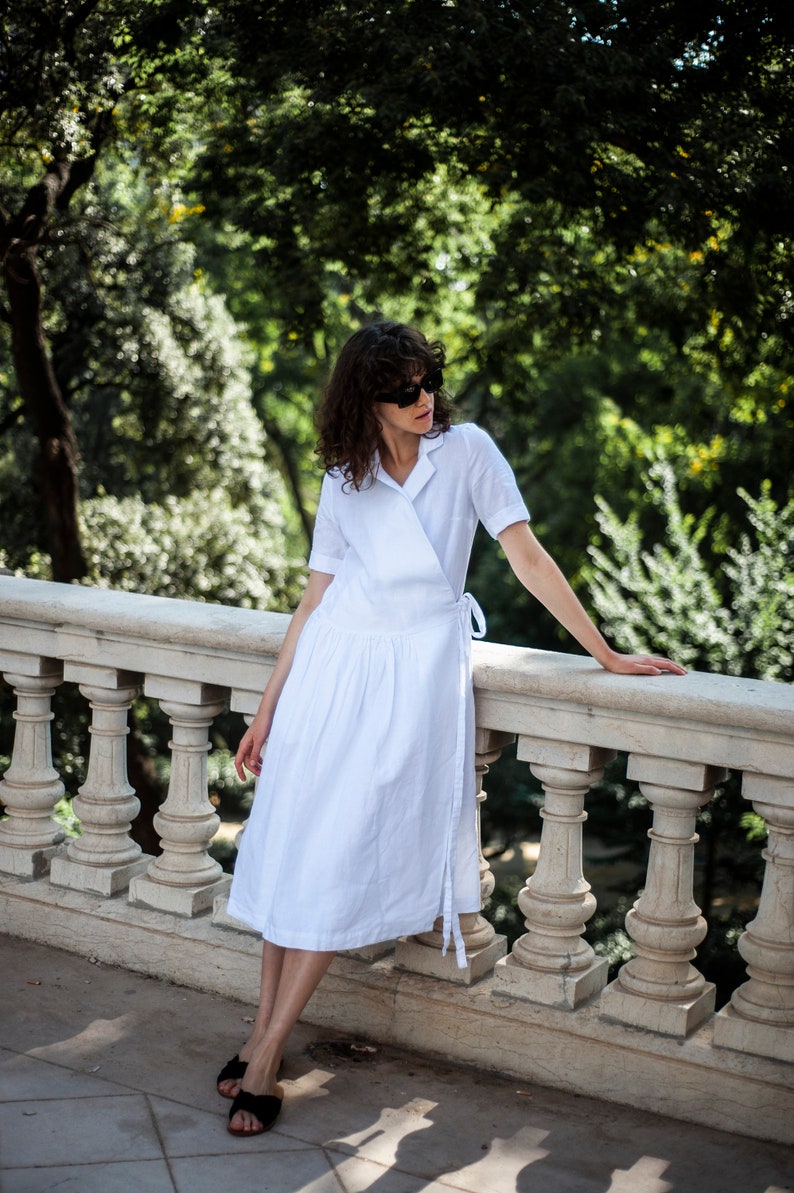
point(651, 123)
point(739, 623)
point(754, 826)
point(199, 546)
point(63, 67)
point(178, 498)
point(588, 205)
point(761, 575)
point(664, 595)
point(62, 812)
point(156, 367)
point(58, 71)
point(552, 194)
point(609, 937)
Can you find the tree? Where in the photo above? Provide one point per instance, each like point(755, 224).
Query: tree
point(120, 348)
point(636, 114)
point(176, 497)
point(625, 167)
point(330, 145)
point(63, 69)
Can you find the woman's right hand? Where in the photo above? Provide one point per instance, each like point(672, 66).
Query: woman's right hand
point(249, 752)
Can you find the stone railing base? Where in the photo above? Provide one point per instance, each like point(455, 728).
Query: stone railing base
point(25, 863)
point(102, 880)
point(412, 955)
point(178, 900)
point(567, 990)
point(670, 1018)
point(479, 1025)
point(733, 1031)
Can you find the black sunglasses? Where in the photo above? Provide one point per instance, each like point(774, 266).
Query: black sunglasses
point(407, 394)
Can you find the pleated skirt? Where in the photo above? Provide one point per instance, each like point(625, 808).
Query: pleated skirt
point(349, 835)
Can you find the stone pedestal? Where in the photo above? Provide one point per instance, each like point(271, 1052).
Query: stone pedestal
point(184, 879)
point(551, 963)
point(30, 838)
point(760, 1015)
point(659, 989)
point(179, 900)
point(104, 858)
point(483, 950)
point(564, 990)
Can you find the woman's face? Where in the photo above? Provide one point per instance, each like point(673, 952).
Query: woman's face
point(414, 419)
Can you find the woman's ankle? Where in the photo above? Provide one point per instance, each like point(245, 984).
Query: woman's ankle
point(262, 1072)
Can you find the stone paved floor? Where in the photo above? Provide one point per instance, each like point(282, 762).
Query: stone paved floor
point(106, 1086)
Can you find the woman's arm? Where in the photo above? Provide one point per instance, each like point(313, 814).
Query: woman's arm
point(249, 753)
point(541, 576)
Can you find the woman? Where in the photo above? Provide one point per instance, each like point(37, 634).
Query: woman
point(364, 825)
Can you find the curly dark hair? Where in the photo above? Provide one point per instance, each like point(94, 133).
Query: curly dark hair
point(376, 359)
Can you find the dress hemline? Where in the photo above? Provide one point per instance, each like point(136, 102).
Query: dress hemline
point(338, 942)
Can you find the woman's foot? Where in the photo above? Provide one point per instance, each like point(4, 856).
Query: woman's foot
point(257, 1107)
point(253, 1114)
point(230, 1078)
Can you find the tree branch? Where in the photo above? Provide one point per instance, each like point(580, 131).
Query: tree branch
point(286, 450)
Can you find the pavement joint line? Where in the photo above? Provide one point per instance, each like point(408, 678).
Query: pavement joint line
point(327, 1155)
point(160, 1140)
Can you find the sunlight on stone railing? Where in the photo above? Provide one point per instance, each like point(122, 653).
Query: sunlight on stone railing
point(569, 719)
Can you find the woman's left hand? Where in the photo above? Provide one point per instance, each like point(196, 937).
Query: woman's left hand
point(641, 664)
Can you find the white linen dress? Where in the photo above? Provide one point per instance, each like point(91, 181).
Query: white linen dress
point(363, 826)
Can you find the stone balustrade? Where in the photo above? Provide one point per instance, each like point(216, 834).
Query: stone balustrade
point(543, 1011)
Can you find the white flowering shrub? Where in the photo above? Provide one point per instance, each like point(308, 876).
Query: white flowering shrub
point(200, 546)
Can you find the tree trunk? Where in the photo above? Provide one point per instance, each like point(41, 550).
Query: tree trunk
point(56, 463)
point(57, 460)
point(293, 478)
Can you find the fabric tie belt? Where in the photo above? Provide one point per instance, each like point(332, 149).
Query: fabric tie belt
point(468, 612)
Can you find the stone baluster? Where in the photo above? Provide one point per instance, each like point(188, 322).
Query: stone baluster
point(659, 988)
point(422, 953)
point(488, 746)
point(30, 837)
point(551, 963)
point(760, 1015)
point(184, 879)
point(104, 857)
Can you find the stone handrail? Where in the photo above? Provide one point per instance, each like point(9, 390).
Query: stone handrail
point(570, 718)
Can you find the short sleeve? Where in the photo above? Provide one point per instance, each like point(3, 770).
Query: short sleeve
point(494, 492)
point(329, 545)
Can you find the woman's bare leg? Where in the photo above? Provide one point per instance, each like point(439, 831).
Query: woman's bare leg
point(301, 971)
point(272, 961)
